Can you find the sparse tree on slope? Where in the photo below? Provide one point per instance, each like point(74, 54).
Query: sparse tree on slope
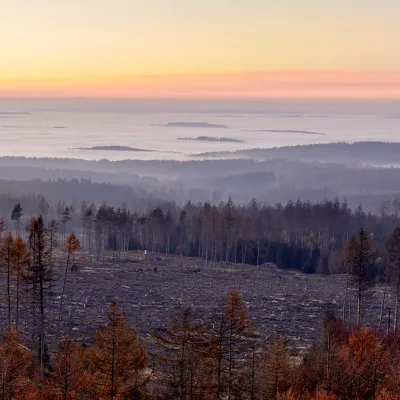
point(20, 258)
point(275, 369)
point(16, 368)
point(229, 216)
point(72, 246)
point(69, 378)
point(6, 259)
point(178, 357)
point(16, 215)
point(118, 359)
point(358, 257)
point(228, 347)
point(40, 276)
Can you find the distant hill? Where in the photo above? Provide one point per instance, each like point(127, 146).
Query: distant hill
point(213, 139)
point(112, 148)
point(367, 153)
point(192, 125)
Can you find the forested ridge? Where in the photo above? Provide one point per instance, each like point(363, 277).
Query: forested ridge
point(299, 235)
point(364, 173)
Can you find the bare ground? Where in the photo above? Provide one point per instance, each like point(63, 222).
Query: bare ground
point(150, 292)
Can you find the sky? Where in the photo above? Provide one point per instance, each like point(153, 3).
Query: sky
point(200, 48)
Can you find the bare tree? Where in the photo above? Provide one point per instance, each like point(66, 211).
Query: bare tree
point(358, 256)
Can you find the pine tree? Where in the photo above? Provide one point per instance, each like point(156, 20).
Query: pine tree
point(40, 276)
point(16, 215)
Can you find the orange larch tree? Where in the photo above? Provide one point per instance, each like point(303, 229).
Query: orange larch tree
point(275, 368)
point(69, 378)
point(228, 347)
point(16, 367)
point(178, 357)
point(364, 363)
point(20, 258)
point(118, 359)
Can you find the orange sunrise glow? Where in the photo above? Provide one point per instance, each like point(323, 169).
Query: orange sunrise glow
point(196, 49)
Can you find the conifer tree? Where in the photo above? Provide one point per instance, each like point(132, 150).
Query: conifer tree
point(229, 216)
point(72, 246)
point(275, 369)
point(16, 215)
point(182, 230)
point(66, 217)
point(358, 256)
point(393, 254)
point(364, 361)
point(6, 259)
point(118, 359)
point(39, 275)
point(69, 378)
point(16, 368)
point(21, 257)
point(178, 357)
point(52, 227)
point(227, 346)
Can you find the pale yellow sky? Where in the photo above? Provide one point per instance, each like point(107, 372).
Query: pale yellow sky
point(73, 47)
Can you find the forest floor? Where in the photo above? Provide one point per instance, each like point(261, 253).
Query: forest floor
point(150, 292)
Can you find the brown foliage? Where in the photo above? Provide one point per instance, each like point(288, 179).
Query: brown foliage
point(118, 359)
point(72, 242)
point(179, 355)
point(20, 258)
point(227, 349)
point(364, 363)
point(16, 368)
point(275, 369)
point(69, 378)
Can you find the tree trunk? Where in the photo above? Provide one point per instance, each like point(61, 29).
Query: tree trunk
point(17, 303)
point(396, 310)
point(62, 295)
point(8, 287)
point(42, 338)
point(383, 303)
point(359, 305)
point(258, 251)
point(113, 370)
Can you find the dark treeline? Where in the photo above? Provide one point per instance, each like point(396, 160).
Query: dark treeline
point(298, 235)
